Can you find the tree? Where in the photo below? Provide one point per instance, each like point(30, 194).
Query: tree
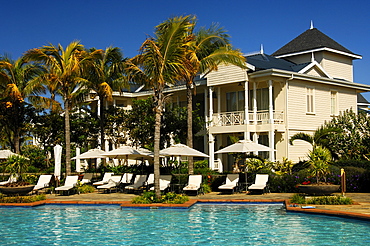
point(104, 76)
point(353, 141)
point(209, 49)
point(160, 63)
point(65, 68)
point(321, 137)
point(15, 87)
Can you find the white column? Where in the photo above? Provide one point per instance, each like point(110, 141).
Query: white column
point(271, 105)
point(211, 144)
point(98, 105)
point(271, 120)
point(255, 103)
point(114, 102)
point(219, 100)
point(210, 105)
point(205, 143)
point(246, 113)
point(211, 139)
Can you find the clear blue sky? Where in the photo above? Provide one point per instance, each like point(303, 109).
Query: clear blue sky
point(125, 24)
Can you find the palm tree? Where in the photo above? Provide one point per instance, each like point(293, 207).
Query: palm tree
point(210, 48)
point(104, 76)
point(15, 87)
point(65, 69)
point(319, 138)
point(161, 63)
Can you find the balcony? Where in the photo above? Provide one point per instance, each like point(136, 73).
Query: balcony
point(237, 118)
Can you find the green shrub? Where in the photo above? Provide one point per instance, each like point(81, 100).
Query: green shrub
point(321, 200)
point(173, 198)
point(21, 199)
point(206, 188)
point(170, 198)
point(330, 200)
point(298, 198)
point(146, 198)
point(85, 189)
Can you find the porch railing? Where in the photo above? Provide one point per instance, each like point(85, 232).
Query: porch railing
point(237, 118)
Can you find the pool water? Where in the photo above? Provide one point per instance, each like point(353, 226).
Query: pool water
point(221, 224)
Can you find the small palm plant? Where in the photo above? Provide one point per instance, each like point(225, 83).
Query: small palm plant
point(319, 159)
point(17, 165)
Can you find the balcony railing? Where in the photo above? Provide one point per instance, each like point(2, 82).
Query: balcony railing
point(237, 118)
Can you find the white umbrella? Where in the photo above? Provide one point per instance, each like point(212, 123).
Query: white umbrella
point(244, 146)
point(181, 150)
point(4, 154)
point(58, 160)
point(128, 153)
point(90, 154)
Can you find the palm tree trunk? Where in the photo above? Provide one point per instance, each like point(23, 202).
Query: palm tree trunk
point(67, 136)
point(189, 140)
point(157, 135)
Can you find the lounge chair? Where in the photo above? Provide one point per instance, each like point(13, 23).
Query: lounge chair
point(231, 183)
point(194, 184)
point(260, 183)
point(149, 182)
point(69, 184)
point(105, 179)
point(113, 183)
point(12, 179)
point(86, 179)
point(138, 183)
point(164, 182)
point(43, 182)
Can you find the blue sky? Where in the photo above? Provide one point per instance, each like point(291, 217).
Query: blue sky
point(125, 24)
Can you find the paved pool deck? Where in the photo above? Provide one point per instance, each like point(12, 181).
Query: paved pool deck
point(359, 210)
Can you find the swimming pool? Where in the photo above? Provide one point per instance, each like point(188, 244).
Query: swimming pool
point(207, 224)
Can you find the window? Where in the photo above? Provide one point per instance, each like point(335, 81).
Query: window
point(310, 100)
point(262, 99)
point(235, 101)
point(333, 103)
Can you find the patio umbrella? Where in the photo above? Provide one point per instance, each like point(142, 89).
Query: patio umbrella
point(58, 160)
point(181, 150)
point(90, 154)
point(4, 154)
point(128, 152)
point(244, 146)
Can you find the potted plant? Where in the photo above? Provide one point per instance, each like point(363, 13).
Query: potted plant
point(17, 165)
point(319, 159)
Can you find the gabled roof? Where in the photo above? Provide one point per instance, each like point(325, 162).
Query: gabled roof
point(312, 40)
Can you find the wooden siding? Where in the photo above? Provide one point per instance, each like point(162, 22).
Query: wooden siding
point(337, 66)
point(226, 75)
point(299, 150)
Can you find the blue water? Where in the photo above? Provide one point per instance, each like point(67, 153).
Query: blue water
point(207, 224)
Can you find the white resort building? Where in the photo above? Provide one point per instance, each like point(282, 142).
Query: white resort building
point(296, 89)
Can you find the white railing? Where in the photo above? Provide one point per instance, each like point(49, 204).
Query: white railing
point(237, 118)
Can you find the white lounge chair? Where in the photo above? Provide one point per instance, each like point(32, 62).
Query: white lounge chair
point(86, 179)
point(149, 182)
point(113, 183)
point(164, 182)
point(194, 184)
point(127, 178)
point(69, 184)
point(43, 182)
point(231, 183)
point(12, 179)
point(105, 179)
point(138, 182)
point(260, 183)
